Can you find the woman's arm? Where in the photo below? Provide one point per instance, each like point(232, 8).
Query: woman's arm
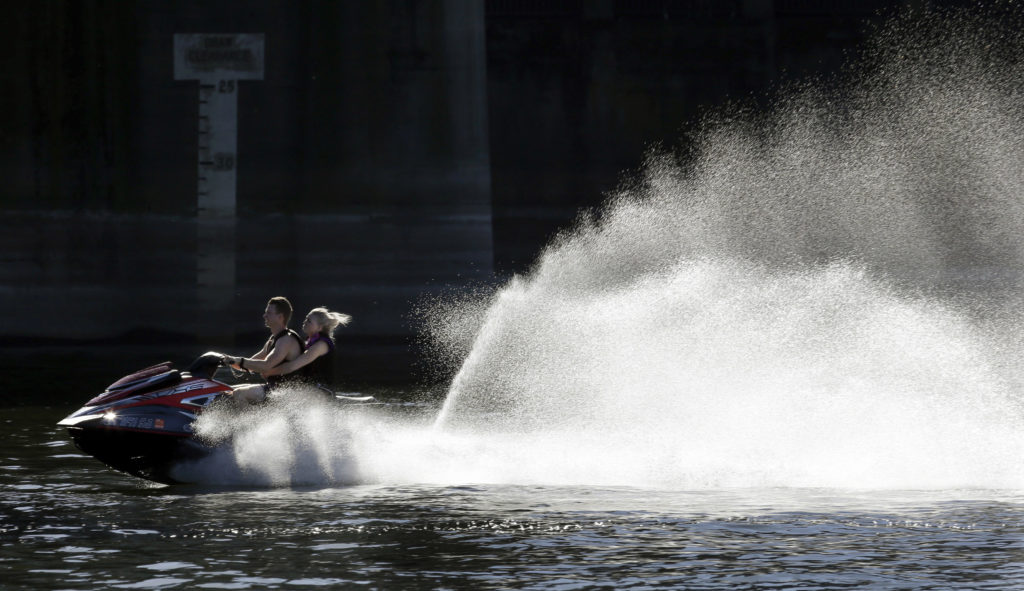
point(319, 348)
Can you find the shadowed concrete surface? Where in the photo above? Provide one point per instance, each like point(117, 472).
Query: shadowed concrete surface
point(391, 150)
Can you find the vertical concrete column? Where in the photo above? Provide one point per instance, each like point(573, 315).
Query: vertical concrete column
point(218, 62)
point(763, 12)
point(400, 177)
point(465, 62)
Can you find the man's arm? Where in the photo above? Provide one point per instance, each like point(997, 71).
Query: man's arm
point(262, 354)
point(276, 356)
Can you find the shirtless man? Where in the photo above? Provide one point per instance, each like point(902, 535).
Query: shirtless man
point(283, 346)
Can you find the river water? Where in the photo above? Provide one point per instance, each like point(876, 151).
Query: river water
point(787, 356)
point(68, 522)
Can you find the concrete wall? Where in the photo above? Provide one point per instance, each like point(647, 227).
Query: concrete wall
point(579, 91)
point(392, 147)
point(363, 174)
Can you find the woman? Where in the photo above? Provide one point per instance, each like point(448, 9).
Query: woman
point(315, 364)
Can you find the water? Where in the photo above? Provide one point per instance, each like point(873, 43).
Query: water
point(66, 522)
point(785, 355)
point(823, 295)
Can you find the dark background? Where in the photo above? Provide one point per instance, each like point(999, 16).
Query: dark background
point(394, 149)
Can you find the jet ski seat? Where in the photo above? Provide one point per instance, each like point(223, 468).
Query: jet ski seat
point(147, 384)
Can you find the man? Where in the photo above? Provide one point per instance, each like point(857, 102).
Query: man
point(283, 346)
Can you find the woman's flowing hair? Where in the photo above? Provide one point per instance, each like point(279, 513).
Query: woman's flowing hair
point(329, 320)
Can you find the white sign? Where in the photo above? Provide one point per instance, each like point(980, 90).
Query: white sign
point(218, 57)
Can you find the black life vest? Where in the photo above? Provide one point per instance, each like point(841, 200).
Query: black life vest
point(272, 342)
point(320, 371)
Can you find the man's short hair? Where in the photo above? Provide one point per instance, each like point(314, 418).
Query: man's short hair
point(282, 306)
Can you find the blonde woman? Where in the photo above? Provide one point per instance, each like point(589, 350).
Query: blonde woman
point(316, 364)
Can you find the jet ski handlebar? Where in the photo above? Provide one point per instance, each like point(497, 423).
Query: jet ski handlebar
point(207, 363)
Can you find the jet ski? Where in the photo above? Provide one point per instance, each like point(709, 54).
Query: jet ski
point(142, 423)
